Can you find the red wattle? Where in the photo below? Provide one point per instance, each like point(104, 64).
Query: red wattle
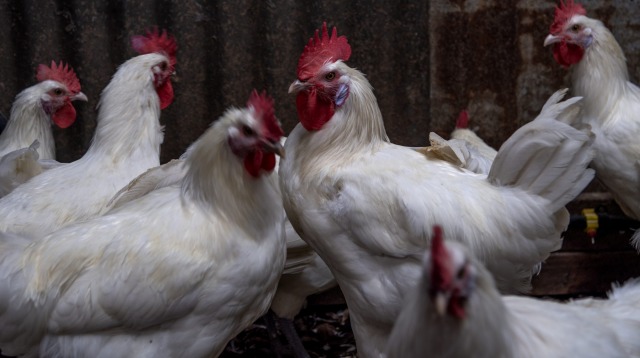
point(257, 160)
point(567, 54)
point(313, 110)
point(456, 306)
point(65, 116)
point(253, 162)
point(268, 162)
point(165, 93)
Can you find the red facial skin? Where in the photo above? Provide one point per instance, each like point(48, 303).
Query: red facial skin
point(443, 280)
point(65, 116)
point(162, 83)
point(314, 109)
point(257, 145)
point(156, 41)
point(60, 108)
point(317, 103)
point(567, 54)
point(258, 160)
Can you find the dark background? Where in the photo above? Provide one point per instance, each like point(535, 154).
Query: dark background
point(426, 60)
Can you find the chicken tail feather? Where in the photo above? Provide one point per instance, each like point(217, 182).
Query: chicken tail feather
point(548, 156)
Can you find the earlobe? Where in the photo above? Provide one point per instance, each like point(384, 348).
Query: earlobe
point(587, 40)
point(342, 95)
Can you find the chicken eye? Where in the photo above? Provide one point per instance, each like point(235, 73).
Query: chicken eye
point(461, 272)
point(163, 66)
point(58, 92)
point(575, 28)
point(330, 76)
point(247, 131)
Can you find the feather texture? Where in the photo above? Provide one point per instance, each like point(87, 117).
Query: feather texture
point(459, 152)
point(19, 166)
point(154, 178)
point(554, 155)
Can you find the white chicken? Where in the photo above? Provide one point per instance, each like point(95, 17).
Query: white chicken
point(27, 146)
point(304, 271)
point(367, 206)
point(35, 108)
point(126, 143)
point(611, 103)
point(455, 310)
point(175, 273)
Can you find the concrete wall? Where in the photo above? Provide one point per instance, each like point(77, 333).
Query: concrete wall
point(426, 60)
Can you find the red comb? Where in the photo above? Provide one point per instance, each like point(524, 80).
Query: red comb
point(440, 275)
point(262, 104)
point(322, 50)
point(463, 119)
point(61, 73)
point(155, 41)
point(564, 12)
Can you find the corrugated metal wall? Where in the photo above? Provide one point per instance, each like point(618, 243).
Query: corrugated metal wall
point(426, 60)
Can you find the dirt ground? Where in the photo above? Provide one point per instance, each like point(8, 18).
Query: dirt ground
point(325, 332)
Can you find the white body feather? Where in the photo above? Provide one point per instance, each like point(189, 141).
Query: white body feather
point(175, 273)
point(474, 140)
point(304, 274)
point(126, 143)
point(512, 326)
point(17, 167)
point(367, 206)
point(481, 155)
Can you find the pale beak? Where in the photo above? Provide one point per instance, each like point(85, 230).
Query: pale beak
point(552, 39)
point(440, 302)
point(276, 147)
point(79, 97)
point(297, 86)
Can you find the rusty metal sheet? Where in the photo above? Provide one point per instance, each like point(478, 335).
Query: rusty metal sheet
point(425, 60)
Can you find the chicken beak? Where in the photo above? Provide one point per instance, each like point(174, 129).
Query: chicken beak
point(79, 97)
point(276, 147)
point(297, 86)
point(440, 301)
point(552, 39)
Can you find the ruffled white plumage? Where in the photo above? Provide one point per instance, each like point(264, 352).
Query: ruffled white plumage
point(176, 272)
point(304, 271)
